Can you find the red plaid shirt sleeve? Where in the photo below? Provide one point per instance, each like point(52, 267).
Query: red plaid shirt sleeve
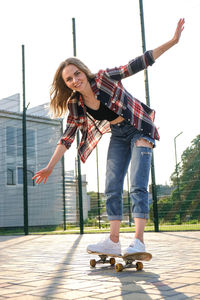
point(69, 134)
point(135, 65)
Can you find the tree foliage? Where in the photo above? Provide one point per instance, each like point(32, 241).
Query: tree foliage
point(186, 179)
point(184, 202)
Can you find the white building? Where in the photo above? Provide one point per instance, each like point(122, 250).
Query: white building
point(45, 202)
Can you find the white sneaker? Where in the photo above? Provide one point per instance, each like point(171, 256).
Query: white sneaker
point(135, 246)
point(105, 247)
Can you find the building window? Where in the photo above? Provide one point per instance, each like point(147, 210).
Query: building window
point(30, 143)
point(10, 141)
point(20, 175)
point(19, 142)
point(14, 143)
point(30, 174)
point(11, 176)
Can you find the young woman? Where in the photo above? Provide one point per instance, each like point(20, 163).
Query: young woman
point(98, 103)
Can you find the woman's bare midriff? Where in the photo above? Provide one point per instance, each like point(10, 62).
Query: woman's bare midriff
point(117, 120)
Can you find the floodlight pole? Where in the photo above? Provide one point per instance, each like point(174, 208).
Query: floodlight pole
point(177, 172)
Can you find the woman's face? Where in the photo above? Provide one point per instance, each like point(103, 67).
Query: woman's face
point(74, 78)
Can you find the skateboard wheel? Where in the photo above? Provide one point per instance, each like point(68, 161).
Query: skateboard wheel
point(93, 263)
point(112, 261)
point(118, 267)
point(139, 266)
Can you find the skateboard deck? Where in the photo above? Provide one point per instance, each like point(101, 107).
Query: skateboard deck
point(128, 260)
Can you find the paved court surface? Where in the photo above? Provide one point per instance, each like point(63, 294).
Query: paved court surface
point(57, 267)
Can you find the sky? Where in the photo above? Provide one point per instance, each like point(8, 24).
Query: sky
point(108, 34)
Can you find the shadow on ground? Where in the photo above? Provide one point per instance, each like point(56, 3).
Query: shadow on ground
point(141, 284)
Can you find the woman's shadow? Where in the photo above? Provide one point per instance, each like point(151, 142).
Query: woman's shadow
point(142, 284)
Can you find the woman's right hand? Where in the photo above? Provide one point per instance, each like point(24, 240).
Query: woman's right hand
point(42, 175)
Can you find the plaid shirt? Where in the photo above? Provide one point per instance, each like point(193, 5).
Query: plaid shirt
point(108, 88)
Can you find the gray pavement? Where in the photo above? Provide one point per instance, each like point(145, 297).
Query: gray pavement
point(57, 267)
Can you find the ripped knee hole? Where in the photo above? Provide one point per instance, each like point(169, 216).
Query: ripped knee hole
point(143, 143)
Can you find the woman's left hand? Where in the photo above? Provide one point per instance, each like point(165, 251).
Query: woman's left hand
point(179, 29)
point(157, 52)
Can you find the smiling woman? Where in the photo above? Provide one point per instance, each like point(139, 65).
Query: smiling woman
point(98, 104)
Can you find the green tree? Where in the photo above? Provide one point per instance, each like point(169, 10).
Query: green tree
point(186, 197)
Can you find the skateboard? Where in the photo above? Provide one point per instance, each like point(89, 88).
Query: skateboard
point(127, 258)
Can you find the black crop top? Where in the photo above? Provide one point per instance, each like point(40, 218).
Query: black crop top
point(103, 113)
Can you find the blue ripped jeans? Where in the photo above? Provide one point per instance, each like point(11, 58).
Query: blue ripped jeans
point(122, 150)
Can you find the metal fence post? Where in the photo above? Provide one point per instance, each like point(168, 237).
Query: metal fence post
point(154, 188)
point(63, 176)
point(129, 200)
point(80, 194)
point(25, 187)
point(98, 194)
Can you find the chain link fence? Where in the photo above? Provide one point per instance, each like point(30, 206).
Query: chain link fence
point(55, 205)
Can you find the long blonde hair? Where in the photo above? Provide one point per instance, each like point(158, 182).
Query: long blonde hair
point(60, 93)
